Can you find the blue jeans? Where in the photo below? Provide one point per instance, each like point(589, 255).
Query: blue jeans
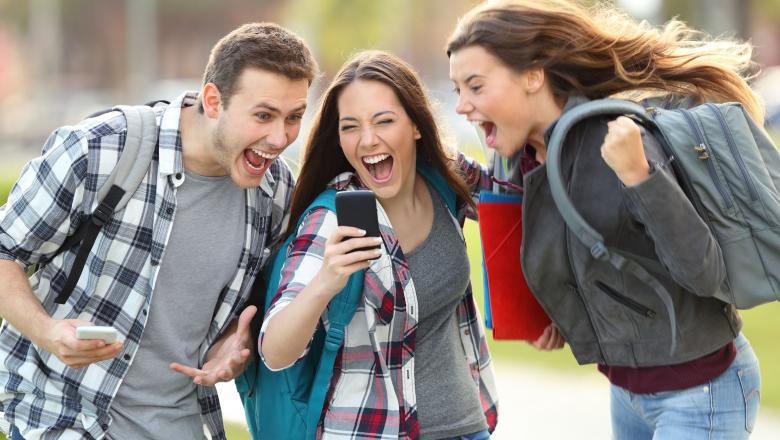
point(15, 434)
point(724, 408)
point(481, 435)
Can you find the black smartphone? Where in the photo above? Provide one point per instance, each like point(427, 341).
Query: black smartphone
point(358, 209)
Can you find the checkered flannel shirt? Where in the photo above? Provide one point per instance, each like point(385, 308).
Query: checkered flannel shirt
point(39, 394)
point(372, 394)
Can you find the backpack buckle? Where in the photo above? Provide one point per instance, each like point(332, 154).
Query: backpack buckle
point(599, 251)
point(102, 214)
point(334, 338)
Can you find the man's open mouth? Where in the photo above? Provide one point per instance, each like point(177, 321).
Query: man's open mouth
point(257, 160)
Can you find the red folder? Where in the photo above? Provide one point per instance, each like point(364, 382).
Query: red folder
point(511, 308)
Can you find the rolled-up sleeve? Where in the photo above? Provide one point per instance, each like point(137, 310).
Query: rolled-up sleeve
point(303, 261)
point(42, 207)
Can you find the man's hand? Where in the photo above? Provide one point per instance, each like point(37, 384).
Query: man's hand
point(228, 357)
point(60, 340)
point(551, 339)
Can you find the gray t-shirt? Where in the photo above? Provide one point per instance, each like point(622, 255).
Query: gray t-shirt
point(201, 258)
point(448, 402)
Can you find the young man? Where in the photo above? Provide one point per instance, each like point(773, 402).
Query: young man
point(171, 271)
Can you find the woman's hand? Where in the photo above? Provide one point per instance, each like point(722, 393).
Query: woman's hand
point(551, 339)
point(622, 150)
point(339, 262)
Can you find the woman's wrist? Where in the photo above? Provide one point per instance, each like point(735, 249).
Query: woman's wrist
point(635, 176)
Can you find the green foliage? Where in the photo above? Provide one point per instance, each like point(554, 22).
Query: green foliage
point(339, 28)
point(235, 431)
point(5, 187)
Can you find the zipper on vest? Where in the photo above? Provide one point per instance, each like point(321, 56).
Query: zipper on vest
point(734, 151)
point(626, 301)
point(704, 155)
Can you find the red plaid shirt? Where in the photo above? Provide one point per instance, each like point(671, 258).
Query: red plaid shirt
point(372, 395)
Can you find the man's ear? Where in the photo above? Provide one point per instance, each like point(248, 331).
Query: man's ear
point(211, 100)
point(534, 79)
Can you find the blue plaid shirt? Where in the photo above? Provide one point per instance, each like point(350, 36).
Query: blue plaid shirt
point(39, 394)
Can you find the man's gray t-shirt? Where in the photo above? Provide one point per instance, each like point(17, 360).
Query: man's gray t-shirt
point(448, 402)
point(201, 258)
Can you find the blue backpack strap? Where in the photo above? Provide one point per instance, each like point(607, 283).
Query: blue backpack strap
point(340, 312)
point(435, 179)
point(341, 309)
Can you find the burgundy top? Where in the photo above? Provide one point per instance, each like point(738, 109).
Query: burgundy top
point(672, 377)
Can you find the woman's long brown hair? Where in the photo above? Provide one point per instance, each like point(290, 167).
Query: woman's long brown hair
point(323, 158)
point(601, 52)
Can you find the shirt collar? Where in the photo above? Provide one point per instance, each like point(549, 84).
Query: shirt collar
point(170, 147)
point(170, 160)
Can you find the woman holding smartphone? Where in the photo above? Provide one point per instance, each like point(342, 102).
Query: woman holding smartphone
point(415, 362)
point(518, 67)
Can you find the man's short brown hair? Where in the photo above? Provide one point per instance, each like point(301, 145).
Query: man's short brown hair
point(266, 46)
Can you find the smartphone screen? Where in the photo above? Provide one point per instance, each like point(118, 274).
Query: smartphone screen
point(358, 209)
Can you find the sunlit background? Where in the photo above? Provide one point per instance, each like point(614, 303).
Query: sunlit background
point(61, 60)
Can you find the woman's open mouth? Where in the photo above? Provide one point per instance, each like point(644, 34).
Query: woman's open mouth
point(379, 166)
point(258, 161)
point(490, 133)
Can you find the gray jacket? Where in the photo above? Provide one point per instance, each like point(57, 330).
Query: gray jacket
point(605, 315)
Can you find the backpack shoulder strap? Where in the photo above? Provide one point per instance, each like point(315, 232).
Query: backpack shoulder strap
point(435, 179)
point(574, 221)
point(133, 165)
point(140, 143)
point(340, 312)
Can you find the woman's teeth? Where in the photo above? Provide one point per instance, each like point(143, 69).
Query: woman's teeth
point(375, 159)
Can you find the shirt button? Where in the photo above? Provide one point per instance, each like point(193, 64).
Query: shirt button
point(169, 211)
point(144, 312)
point(127, 357)
point(467, 332)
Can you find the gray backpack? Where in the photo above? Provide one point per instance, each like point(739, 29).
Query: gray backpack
point(728, 168)
point(133, 165)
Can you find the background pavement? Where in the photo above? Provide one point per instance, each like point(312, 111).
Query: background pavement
point(537, 404)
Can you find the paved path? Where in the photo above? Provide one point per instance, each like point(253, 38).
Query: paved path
point(536, 404)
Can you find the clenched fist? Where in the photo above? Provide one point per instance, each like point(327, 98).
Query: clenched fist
point(622, 150)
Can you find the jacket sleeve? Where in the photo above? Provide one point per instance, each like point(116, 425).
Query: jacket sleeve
point(43, 205)
point(683, 242)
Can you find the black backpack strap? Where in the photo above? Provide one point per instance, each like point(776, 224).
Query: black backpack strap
point(133, 165)
point(90, 232)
